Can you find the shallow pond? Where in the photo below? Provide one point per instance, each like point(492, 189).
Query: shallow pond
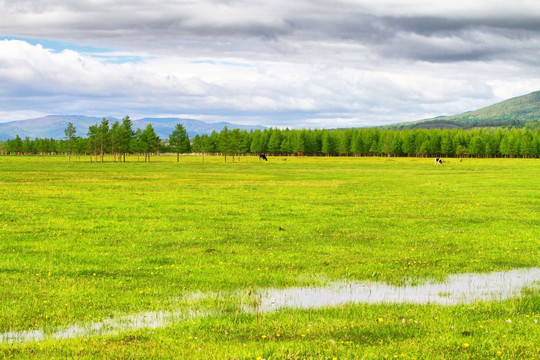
point(458, 289)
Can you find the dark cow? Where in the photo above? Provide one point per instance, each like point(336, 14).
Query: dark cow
point(263, 157)
point(438, 161)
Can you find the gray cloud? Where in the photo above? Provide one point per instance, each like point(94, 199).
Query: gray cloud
point(173, 23)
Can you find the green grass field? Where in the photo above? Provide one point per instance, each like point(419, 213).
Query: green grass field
point(82, 242)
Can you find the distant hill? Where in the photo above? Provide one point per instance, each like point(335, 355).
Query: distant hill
point(53, 126)
point(512, 112)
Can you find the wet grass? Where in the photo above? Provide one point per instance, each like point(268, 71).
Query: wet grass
point(83, 242)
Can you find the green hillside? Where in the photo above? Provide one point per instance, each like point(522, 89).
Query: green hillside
point(517, 112)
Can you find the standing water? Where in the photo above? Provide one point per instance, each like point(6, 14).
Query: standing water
point(458, 289)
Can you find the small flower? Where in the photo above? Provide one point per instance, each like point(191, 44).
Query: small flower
point(263, 336)
point(466, 345)
point(380, 320)
point(508, 320)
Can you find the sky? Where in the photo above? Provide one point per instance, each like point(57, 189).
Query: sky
point(278, 63)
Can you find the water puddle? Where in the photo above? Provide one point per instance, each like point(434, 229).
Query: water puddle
point(113, 326)
point(458, 289)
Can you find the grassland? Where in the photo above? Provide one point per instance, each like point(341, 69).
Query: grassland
point(83, 242)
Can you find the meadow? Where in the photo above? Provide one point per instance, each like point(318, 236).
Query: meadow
point(83, 242)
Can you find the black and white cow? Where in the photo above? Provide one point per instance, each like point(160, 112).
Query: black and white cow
point(263, 157)
point(438, 161)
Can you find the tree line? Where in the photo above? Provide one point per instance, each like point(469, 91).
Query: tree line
point(119, 139)
point(116, 139)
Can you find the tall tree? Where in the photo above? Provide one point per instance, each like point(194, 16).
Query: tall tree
point(103, 136)
point(179, 141)
point(235, 142)
point(16, 145)
point(446, 144)
point(126, 136)
point(328, 143)
point(199, 144)
point(396, 145)
point(408, 140)
point(70, 136)
point(344, 141)
point(81, 144)
point(149, 141)
point(115, 139)
point(41, 146)
point(136, 145)
point(93, 137)
point(255, 146)
point(274, 143)
point(28, 147)
point(286, 146)
point(245, 147)
point(224, 144)
point(212, 143)
point(357, 143)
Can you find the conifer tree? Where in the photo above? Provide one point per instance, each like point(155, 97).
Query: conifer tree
point(179, 141)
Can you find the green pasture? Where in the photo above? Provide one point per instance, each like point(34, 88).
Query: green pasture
point(83, 242)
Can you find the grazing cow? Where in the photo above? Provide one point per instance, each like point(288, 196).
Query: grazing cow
point(263, 157)
point(438, 161)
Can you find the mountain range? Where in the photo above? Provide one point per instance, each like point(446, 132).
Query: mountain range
point(512, 112)
point(53, 126)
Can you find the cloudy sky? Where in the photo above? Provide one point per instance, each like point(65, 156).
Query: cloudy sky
point(299, 63)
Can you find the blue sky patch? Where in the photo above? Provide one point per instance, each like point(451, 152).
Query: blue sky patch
point(58, 45)
point(102, 54)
